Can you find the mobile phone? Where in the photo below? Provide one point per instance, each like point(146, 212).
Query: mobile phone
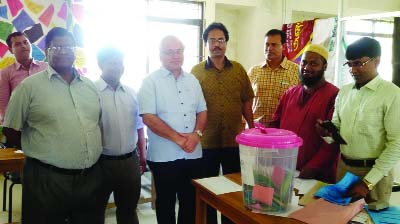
point(328, 125)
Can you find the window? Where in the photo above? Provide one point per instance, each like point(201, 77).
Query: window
point(137, 28)
point(382, 31)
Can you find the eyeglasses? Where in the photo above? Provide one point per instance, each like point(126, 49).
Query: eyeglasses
point(214, 41)
point(171, 52)
point(60, 48)
point(357, 64)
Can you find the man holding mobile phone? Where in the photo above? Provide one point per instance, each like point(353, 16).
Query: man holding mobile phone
point(366, 113)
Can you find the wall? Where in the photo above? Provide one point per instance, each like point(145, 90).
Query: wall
point(249, 20)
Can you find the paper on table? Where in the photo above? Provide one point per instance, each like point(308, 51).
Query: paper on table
point(309, 196)
point(19, 151)
point(303, 185)
point(219, 185)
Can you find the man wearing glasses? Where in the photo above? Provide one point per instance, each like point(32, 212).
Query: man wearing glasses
point(24, 66)
point(367, 115)
point(272, 77)
point(57, 113)
point(229, 96)
point(173, 108)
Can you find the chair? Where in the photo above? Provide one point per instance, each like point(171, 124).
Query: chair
point(152, 190)
point(15, 178)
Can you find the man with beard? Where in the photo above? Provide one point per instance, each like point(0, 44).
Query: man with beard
point(298, 111)
point(229, 96)
point(24, 66)
point(272, 77)
point(367, 115)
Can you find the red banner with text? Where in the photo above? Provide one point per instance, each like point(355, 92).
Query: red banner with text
point(298, 35)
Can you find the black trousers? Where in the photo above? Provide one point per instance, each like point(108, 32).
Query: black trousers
point(213, 159)
point(173, 179)
point(50, 197)
point(122, 177)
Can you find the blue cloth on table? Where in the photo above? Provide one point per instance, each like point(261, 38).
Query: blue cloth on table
point(335, 193)
point(390, 215)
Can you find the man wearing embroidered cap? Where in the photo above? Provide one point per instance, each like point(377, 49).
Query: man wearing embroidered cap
point(298, 111)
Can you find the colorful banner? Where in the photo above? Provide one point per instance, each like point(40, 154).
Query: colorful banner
point(298, 35)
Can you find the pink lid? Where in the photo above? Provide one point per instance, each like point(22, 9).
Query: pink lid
point(269, 138)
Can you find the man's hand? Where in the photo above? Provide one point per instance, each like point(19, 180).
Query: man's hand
point(307, 173)
point(181, 141)
point(191, 143)
point(142, 164)
point(320, 129)
point(359, 190)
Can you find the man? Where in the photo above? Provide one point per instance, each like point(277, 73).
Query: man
point(174, 110)
point(123, 135)
point(366, 113)
point(273, 77)
point(57, 113)
point(24, 66)
point(229, 95)
point(301, 106)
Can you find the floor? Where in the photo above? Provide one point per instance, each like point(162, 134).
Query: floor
point(146, 214)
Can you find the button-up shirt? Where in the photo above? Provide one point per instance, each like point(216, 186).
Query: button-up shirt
point(225, 91)
point(269, 85)
point(11, 77)
point(59, 122)
point(119, 118)
point(176, 102)
point(368, 119)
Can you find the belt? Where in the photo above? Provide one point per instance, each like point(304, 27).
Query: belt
point(120, 157)
point(358, 162)
point(61, 170)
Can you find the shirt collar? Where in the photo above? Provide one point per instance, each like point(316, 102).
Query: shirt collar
point(103, 85)
point(51, 72)
point(284, 63)
point(372, 85)
point(18, 65)
point(165, 72)
point(209, 64)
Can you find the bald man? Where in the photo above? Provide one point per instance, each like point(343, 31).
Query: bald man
point(298, 111)
point(172, 105)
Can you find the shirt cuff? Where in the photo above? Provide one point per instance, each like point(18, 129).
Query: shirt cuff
point(374, 176)
point(328, 139)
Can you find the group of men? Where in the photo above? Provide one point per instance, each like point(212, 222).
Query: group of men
point(84, 140)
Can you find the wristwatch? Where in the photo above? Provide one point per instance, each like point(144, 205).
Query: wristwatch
point(199, 133)
point(369, 185)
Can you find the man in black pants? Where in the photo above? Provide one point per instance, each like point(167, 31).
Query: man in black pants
point(57, 113)
point(122, 130)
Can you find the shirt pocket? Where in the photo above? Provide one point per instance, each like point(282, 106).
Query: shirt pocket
point(371, 121)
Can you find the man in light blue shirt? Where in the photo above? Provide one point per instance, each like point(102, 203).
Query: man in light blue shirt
point(173, 107)
point(123, 137)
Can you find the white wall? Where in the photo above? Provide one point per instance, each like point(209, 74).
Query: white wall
point(248, 20)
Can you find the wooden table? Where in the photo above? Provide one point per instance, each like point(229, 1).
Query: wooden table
point(11, 161)
point(231, 205)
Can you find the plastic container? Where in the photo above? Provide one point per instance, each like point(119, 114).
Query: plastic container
point(268, 161)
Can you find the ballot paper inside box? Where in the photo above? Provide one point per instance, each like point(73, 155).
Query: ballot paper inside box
point(268, 160)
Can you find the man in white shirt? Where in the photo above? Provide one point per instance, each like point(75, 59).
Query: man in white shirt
point(123, 137)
